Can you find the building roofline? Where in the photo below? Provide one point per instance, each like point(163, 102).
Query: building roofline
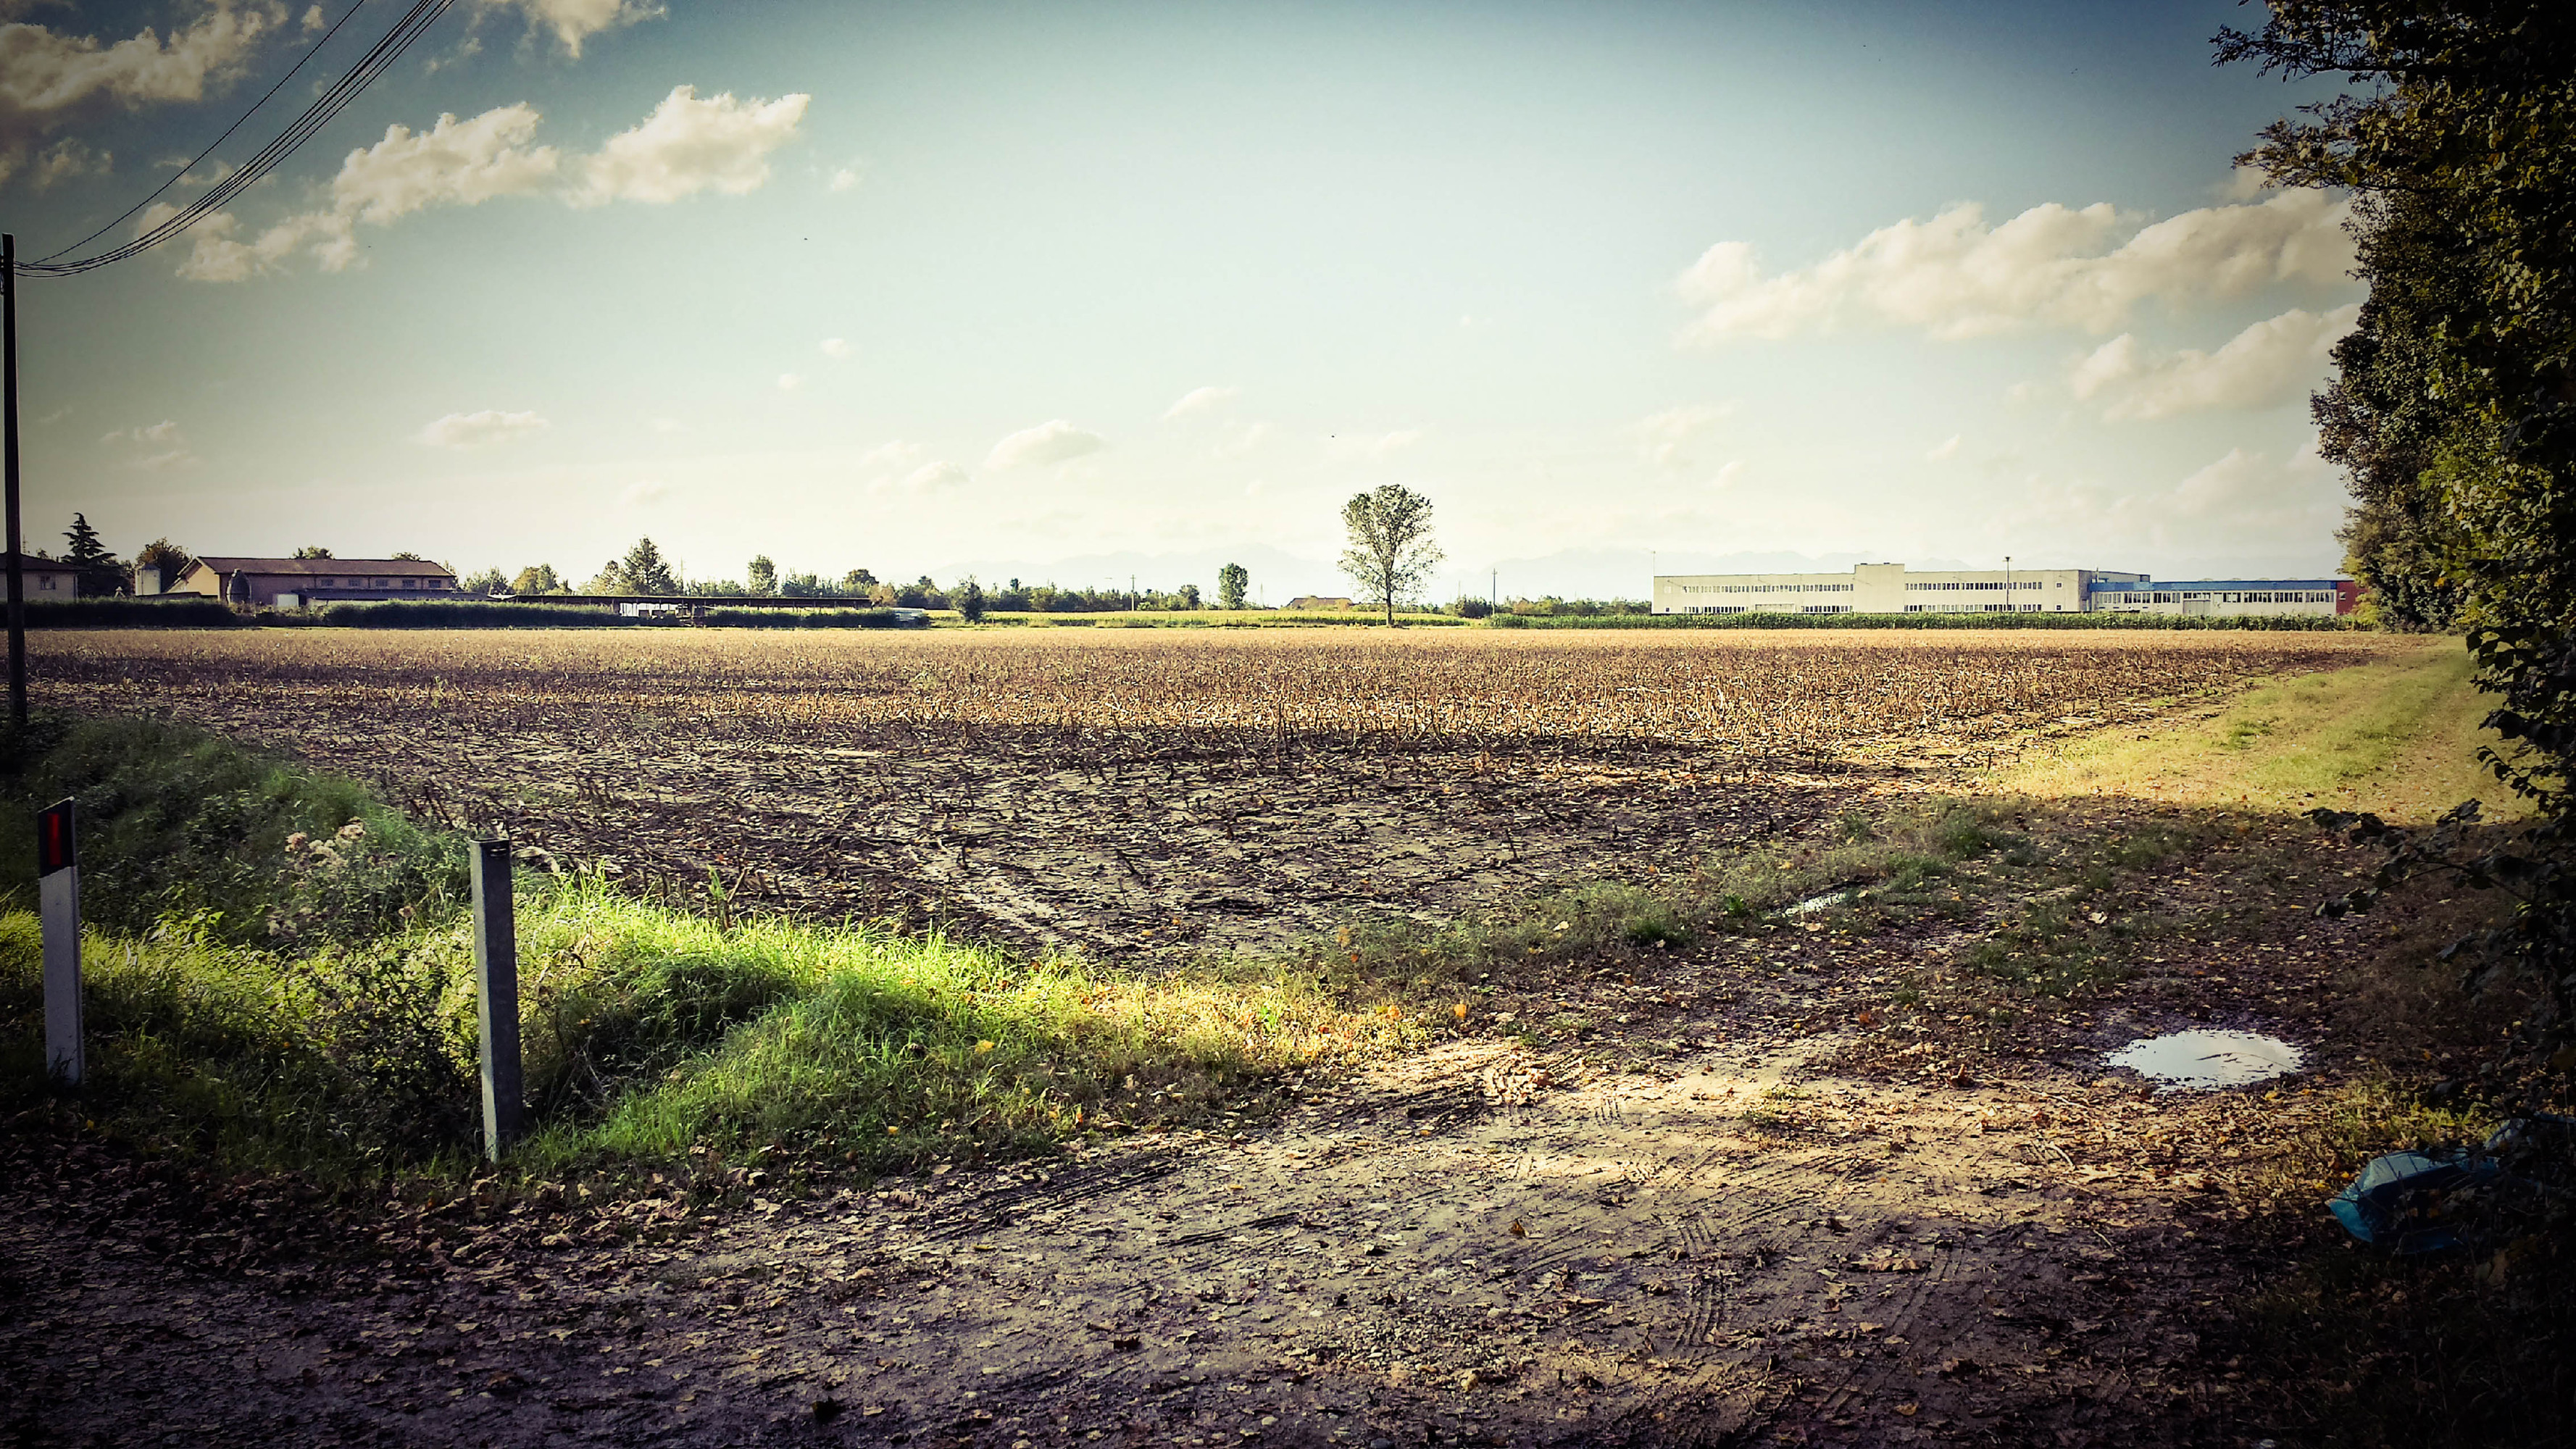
point(311, 567)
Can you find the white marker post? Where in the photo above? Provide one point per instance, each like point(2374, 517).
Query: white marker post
point(58, 905)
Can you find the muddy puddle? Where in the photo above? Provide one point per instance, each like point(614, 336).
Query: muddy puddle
point(2200, 1061)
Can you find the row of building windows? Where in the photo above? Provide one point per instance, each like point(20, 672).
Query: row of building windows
point(1766, 588)
point(1997, 608)
point(2016, 586)
point(2248, 596)
point(380, 583)
point(1742, 609)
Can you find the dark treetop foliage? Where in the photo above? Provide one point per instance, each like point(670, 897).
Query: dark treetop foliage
point(98, 570)
point(2454, 404)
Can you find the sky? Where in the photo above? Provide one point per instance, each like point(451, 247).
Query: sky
point(1079, 292)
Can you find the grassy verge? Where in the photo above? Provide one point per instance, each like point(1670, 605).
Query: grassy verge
point(2399, 737)
point(278, 978)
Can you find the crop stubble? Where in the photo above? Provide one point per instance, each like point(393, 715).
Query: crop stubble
point(1132, 792)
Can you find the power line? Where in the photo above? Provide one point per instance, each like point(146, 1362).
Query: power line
point(182, 173)
point(375, 62)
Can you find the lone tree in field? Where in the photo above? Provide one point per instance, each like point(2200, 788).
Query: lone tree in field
point(1391, 554)
point(1231, 582)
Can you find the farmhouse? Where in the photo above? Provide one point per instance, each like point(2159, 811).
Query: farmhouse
point(1889, 588)
point(1317, 601)
point(288, 583)
point(45, 578)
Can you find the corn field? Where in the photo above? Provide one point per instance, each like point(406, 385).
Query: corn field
point(1144, 790)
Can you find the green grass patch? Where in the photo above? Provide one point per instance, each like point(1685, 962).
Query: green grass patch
point(278, 977)
point(2399, 737)
point(175, 822)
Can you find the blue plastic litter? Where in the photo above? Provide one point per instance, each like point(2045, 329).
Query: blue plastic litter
point(2408, 1201)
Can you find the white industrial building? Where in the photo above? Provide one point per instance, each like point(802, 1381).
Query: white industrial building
point(1888, 588)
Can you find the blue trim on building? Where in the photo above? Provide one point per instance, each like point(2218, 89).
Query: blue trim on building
point(2220, 586)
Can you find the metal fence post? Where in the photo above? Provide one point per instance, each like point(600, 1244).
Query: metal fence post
point(58, 904)
point(496, 993)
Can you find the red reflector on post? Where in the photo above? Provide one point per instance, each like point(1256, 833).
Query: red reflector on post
point(54, 839)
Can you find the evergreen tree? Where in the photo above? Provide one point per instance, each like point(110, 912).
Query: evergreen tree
point(99, 572)
point(645, 571)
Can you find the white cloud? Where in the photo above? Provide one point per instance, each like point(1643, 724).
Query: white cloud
point(479, 429)
point(685, 146)
point(47, 79)
point(1056, 441)
point(1662, 436)
point(453, 163)
point(201, 180)
point(68, 158)
point(690, 145)
point(845, 178)
point(837, 347)
point(643, 495)
point(42, 73)
point(931, 477)
point(789, 382)
point(665, 425)
point(2052, 266)
point(1379, 446)
point(2272, 362)
point(1729, 475)
point(169, 446)
point(1944, 450)
point(2246, 504)
point(1201, 400)
point(574, 21)
point(167, 430)
point(1240, 440)
point(895, 453)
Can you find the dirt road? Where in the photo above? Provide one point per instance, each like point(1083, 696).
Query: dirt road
point(1705, 1238)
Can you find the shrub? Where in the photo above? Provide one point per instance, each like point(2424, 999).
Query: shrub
point(173, 820)
point(163, 612)
point(465, 614)
point(807, 619)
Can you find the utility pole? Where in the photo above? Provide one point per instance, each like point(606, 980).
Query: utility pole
point(2010, 606)
point(17, 544)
